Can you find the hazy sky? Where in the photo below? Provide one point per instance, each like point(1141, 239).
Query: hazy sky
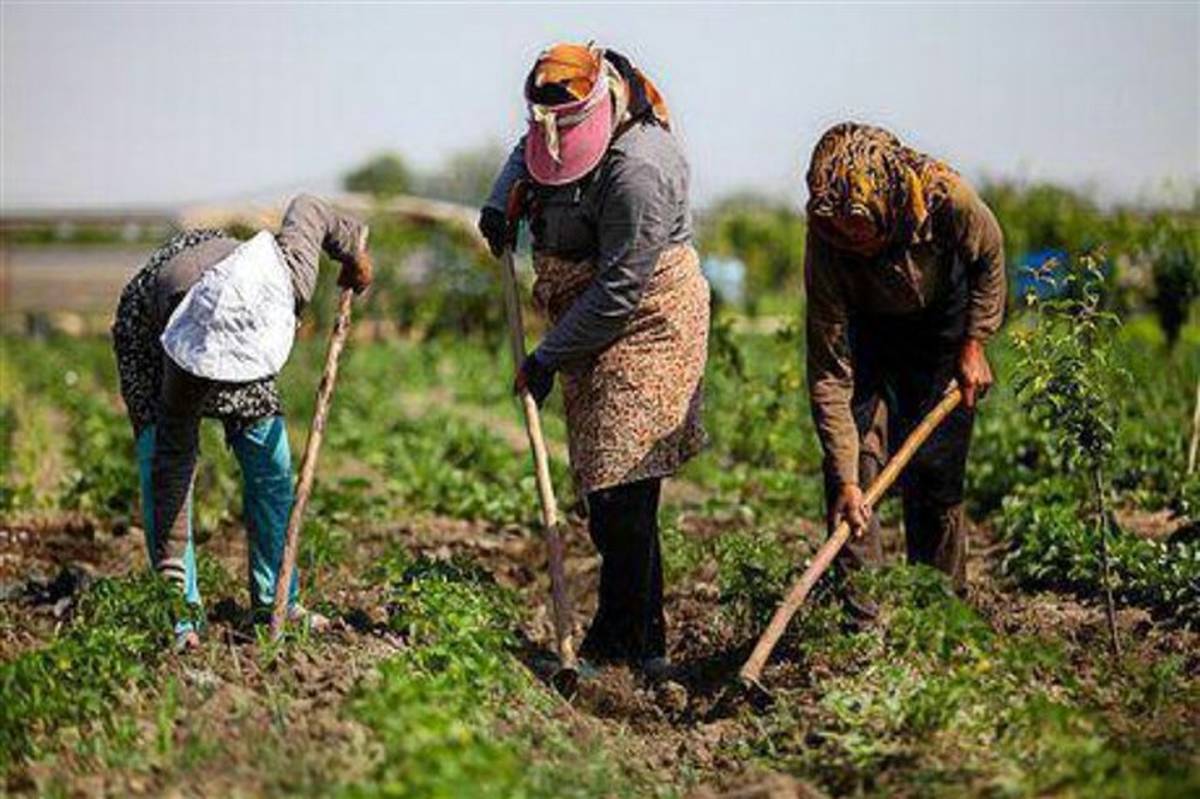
point(140, 103)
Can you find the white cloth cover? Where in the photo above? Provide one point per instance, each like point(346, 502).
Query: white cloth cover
point(238, 322)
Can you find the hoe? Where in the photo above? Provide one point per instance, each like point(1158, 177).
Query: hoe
point(308, 463)
point(751, 672)
point(566, 677)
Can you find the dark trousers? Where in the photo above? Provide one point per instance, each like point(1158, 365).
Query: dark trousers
point(176, 445)
point(629, 622)
point(902, 367)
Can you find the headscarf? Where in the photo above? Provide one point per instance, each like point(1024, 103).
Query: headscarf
point(567, 88)
point(867, 191)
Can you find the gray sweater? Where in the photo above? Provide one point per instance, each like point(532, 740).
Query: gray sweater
point(621, 217)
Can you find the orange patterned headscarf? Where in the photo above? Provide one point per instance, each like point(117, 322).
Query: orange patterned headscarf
point(575, 68)
point(868, 191)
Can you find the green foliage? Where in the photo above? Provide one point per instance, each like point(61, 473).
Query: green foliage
point(68, 373)
point(151, 232)
point(1054, 548)
point(447, 466)
point(382, 175)
point(1044, 217)
point(1068, 373)
point(77, 377)
point(429, 281)
point(1175, 250)
point(753, 572)
point(1069, 379)
point(454, 714)
point(756, 406)
point(120, 630)
point(465, 176)
point(767, 236)
point(933, 702)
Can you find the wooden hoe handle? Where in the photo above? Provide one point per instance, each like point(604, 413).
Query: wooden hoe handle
point(308, 462)
point(752, 669)
point(541, 462)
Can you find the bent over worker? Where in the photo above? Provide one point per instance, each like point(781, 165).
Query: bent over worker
point(201, 331)
point(904, 273)
point(620, 282)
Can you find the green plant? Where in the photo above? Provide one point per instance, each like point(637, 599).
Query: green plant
point(1175, 250)
point(120, 630)
point(1068, 380)
point(753, 571)
point(383, 175)
point(454, 714)
point(1058, 550)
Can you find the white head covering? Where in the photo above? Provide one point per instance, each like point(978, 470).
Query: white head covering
point(238, 322)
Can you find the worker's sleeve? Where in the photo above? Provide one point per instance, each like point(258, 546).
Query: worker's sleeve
point(981, 246)
point(830, 370)
point(309, 226)
point(512, 171)
point(632, 232)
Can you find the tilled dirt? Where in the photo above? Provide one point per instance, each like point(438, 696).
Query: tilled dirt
point(690, 722)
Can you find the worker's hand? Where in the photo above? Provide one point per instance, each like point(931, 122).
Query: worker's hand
point(974, 373)
point(852, 507)
point(359, 270)
point(495, 228)
point(536, 377)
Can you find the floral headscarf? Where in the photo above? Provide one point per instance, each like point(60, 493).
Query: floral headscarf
point(580, 97)
point(566, 71)
point(868, 191)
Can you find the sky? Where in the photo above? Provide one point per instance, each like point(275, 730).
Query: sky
point(139, 104)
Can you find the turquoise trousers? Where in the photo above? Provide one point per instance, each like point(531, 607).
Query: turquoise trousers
point(264, 456)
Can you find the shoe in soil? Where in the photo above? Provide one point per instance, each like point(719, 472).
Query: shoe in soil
point(858, 609)
point(547, 667)
point(657, 669)
point(186, 641)
point(311, 620)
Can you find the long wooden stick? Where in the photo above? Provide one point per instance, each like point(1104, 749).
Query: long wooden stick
point(308, 462)
point(752, 669)
point(541, 462)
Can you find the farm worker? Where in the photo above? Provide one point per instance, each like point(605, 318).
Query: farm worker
point(904, 272)
point(201, 331)
point(620, 282)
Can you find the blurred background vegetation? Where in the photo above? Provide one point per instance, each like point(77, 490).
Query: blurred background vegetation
point(436, 279)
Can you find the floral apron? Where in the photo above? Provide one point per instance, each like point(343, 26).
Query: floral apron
point(634, 411)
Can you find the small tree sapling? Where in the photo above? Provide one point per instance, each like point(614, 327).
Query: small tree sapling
point(1069, 381)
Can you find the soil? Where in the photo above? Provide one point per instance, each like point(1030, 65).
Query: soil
point(692, 719)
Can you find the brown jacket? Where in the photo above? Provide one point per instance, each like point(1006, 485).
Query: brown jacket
point(903, 281)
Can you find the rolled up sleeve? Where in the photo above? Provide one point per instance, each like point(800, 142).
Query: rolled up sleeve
point(830, 370)
point(632, 232)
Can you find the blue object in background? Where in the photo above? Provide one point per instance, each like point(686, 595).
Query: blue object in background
point(1026, 281)
point(727, 277)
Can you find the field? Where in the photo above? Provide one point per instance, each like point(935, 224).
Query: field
point(422, 542)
